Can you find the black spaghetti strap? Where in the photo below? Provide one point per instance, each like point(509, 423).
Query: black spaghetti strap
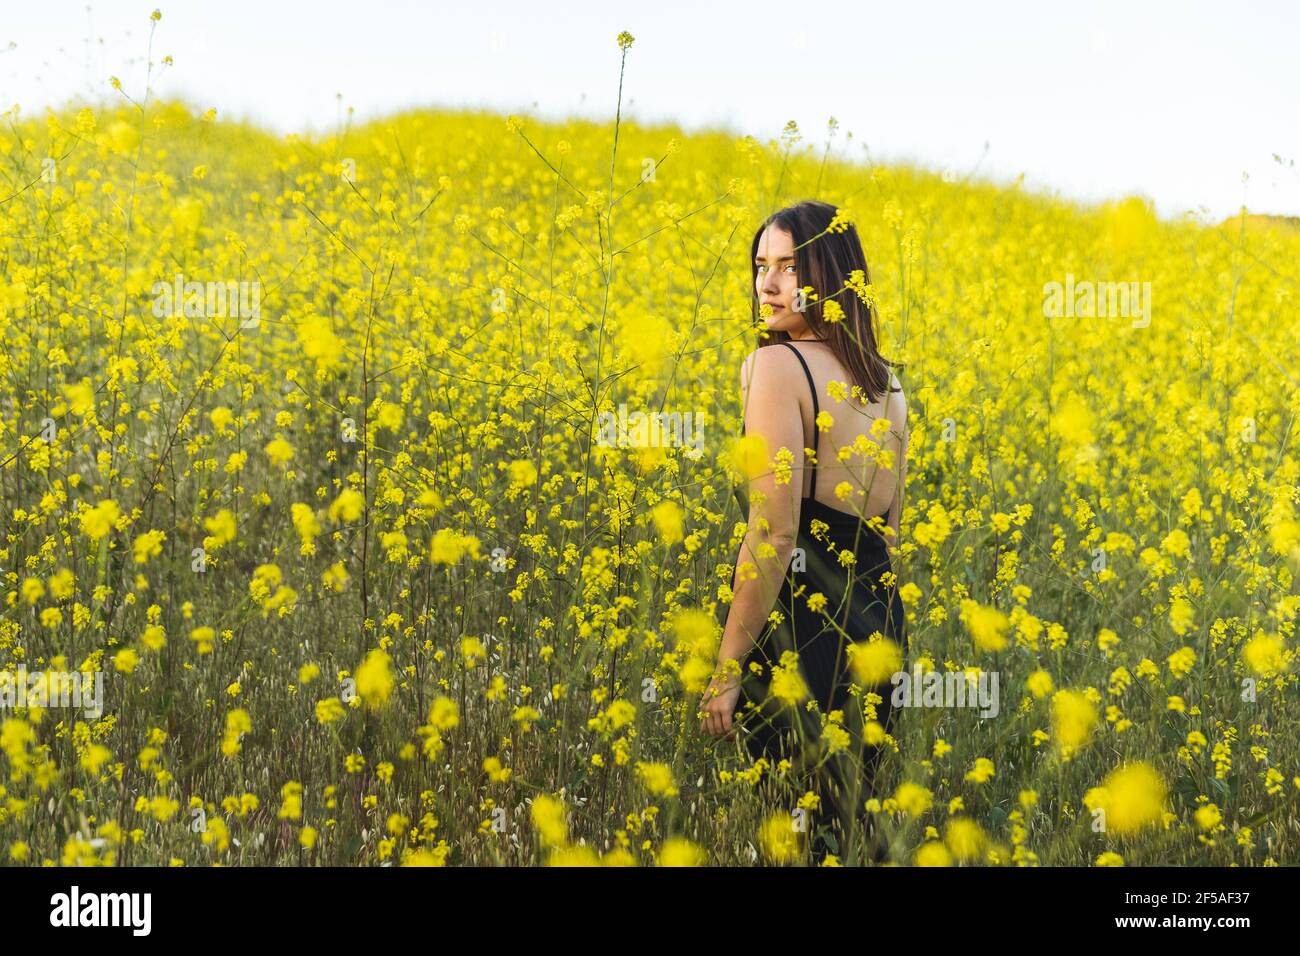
point(812, 488)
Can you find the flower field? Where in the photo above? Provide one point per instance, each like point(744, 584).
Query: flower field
point(301, 451)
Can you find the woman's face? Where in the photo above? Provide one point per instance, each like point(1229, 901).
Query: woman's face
point(776, 282)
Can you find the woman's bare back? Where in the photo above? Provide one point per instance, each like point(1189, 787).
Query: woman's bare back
point(873, 486)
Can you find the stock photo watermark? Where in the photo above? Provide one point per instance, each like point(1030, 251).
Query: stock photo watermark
point(231, 298)
point(652, 430)
point(129, 910)
point(79, 690)
point(950, 689)
point(1087, 299)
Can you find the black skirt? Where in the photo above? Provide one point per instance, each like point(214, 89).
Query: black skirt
point(861, 605)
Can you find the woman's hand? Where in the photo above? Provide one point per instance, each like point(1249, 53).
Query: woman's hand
point(718, 705)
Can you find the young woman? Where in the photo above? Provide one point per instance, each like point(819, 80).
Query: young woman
point(832, 503)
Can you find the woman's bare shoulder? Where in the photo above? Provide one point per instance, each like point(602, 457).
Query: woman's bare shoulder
point(896, 389)
point(767, 366)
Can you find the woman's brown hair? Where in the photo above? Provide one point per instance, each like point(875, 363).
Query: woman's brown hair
point(825, 260)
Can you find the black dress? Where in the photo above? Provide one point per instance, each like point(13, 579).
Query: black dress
point(861, 605)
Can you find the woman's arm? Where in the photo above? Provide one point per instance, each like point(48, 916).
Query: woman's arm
point(755, 585)
point(767, 382)
point(895, 518)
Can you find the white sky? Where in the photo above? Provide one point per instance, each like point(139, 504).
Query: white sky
point(1172, 100)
